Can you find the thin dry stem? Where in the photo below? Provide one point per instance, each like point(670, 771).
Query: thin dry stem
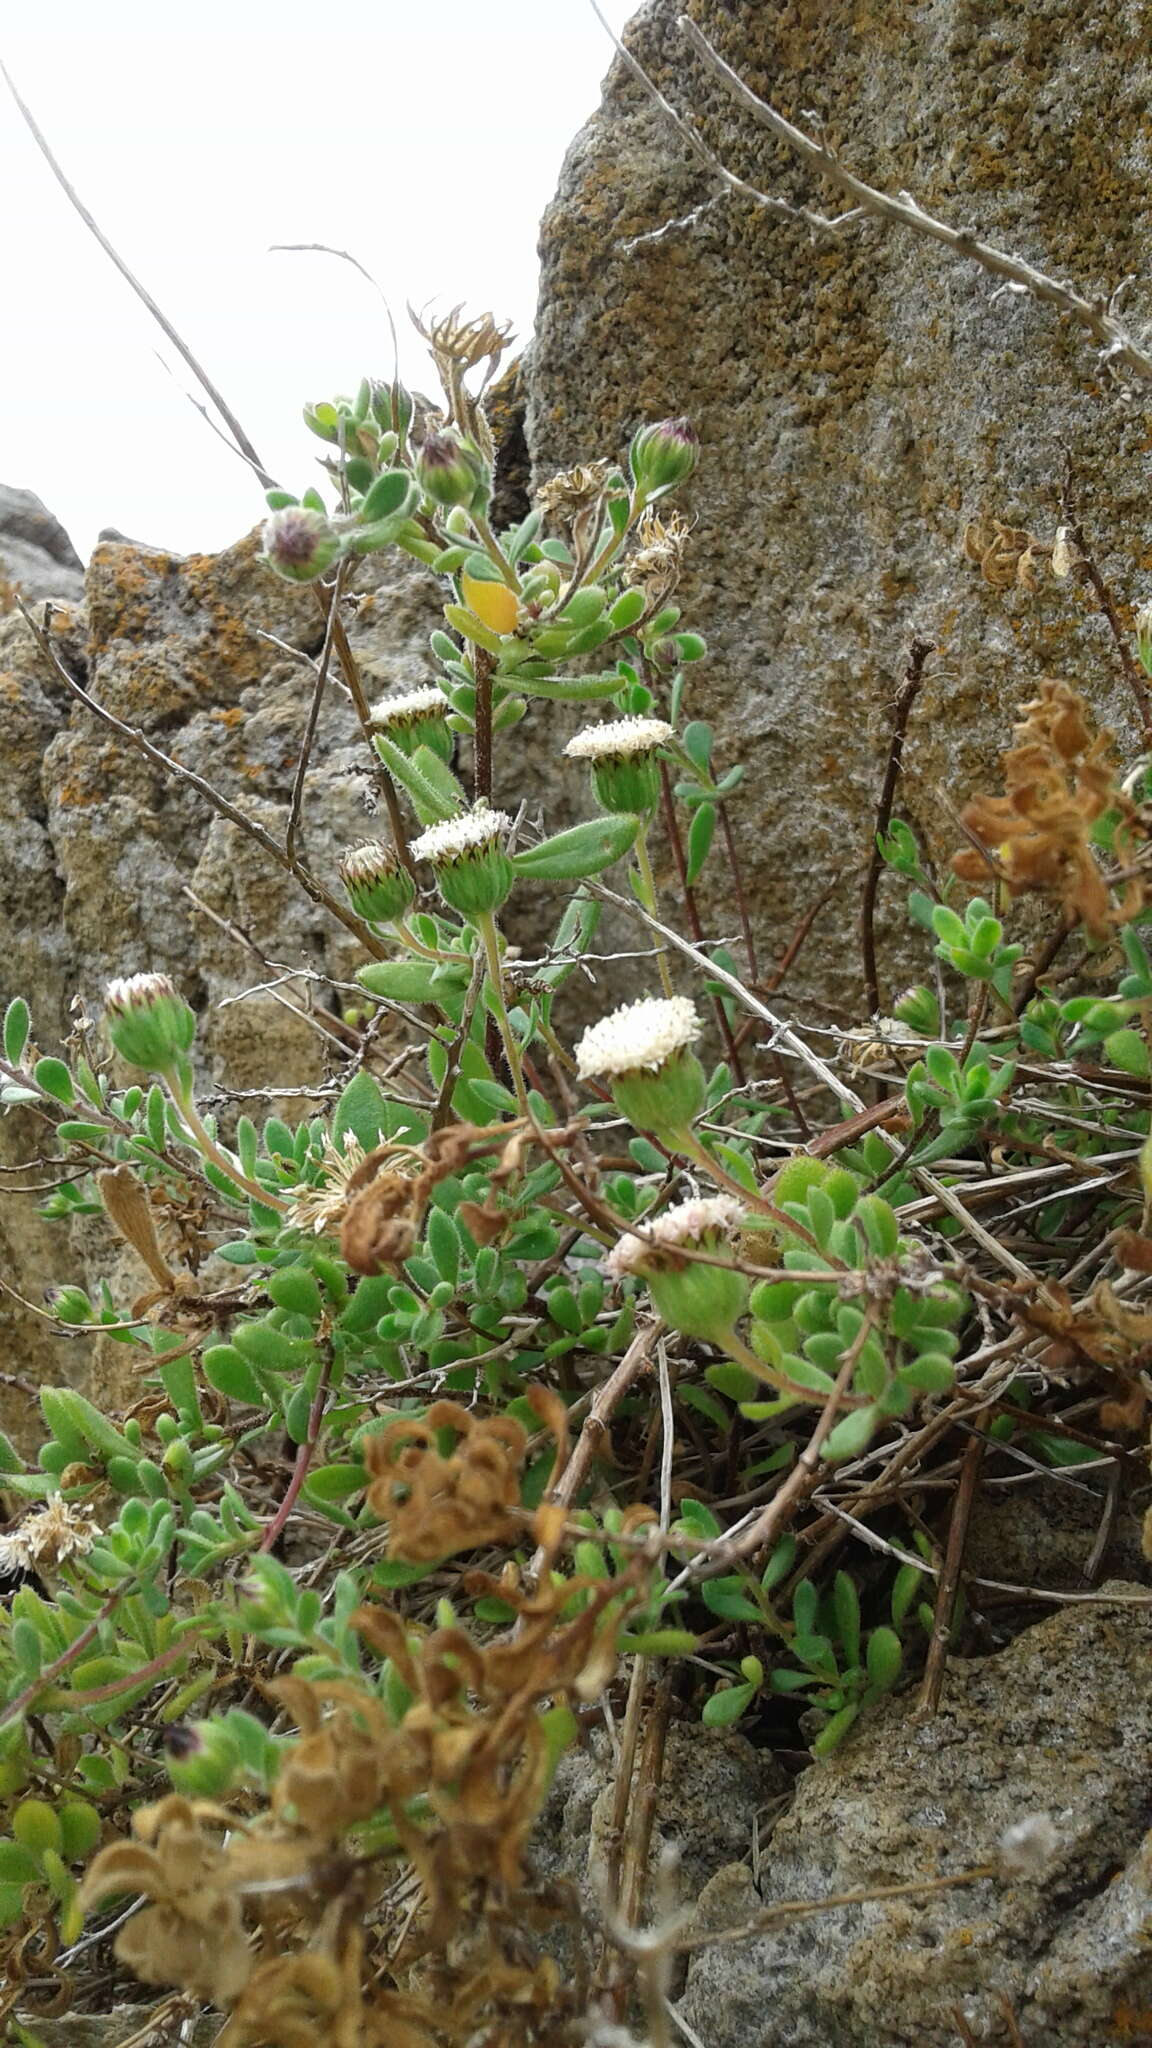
point(1118, 348)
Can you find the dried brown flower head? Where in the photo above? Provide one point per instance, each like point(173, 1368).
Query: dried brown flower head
point(296, 2002)
point(1107, 1331)
point(279, 1917)
point(320, 1206)
point(1059, 781)
point(382, 1209)
point(655, 564)
point(434, 1504)
point(334, 1776)
point(48, 1537)
point(571, 492)
point(458, 344)
point(1008, 555)
point(191, 1934)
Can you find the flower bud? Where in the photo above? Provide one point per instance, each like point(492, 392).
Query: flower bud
point(643, 1051)
point(415, 718)
point(697, 1299)
point(662, 456)
point(392, 408)
point(448, 471)
point(379, 886)
point(623, 757)
point(473, 872)
point(299, 543)
point(919, 1009)
point(149, 1023)
point(1144, 637)
point(203, 1758)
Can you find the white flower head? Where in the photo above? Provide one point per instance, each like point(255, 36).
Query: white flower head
point(618, 739)
point(411, 704)
point(458, 836)
point(362, 862)
point(690, 1223)
point(639, 1035)
point(129, 990)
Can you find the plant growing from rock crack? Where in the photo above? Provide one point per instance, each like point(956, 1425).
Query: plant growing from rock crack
point(519, 1358)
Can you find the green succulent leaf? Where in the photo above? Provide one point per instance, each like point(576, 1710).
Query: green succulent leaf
point(583, 850)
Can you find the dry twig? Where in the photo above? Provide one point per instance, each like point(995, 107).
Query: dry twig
point(1118, 347)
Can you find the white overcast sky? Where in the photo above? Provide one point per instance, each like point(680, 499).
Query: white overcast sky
point(425, 136)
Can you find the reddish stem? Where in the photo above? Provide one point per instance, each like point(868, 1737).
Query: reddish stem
point(304, 1456)
point(25, 1699)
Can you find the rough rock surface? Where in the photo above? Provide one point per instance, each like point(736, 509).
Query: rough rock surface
point(861, 396)
point(101, 853)
point(712, 1785)
point(36, 556)
point(1058, 1723)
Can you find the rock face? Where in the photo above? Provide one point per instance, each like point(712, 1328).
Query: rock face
point(36, 556)
point(1058, 1723)
point(861, 396)
point(110, 866)
point(713, 1788)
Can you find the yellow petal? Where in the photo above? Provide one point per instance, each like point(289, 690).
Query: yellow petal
point(493, 603)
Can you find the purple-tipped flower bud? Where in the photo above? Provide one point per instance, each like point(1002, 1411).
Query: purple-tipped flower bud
point(448, 471)
point(662, 456)
point(149, 1023)
point(919, 1009)
point(379, 887)
point(299, 543)
point(203, 1758)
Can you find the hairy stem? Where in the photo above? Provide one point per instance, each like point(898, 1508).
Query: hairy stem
point(647, 895)
point(901, 712)
point(304, 1455)
point(486, 925)
point(207, 1145)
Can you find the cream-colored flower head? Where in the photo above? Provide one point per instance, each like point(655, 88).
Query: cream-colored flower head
point(574, 491)
point(410, 704)
point(45, 1539)
point(688, 1223)
point(360, 863)
point(618, 738)
point(320, 1206)
point(640, 1036)
point(457, 836)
